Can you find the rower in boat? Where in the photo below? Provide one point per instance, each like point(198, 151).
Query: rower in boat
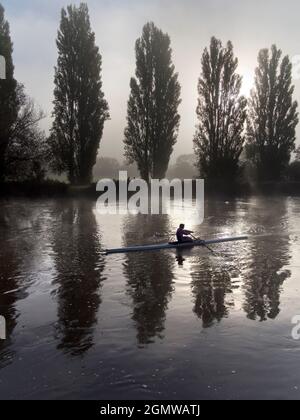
point(183, 235)
point(173, 245)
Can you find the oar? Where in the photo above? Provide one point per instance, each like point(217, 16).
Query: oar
point(204, 244)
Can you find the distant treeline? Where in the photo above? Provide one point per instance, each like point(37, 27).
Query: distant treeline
point(236, 138)
point(107, 167)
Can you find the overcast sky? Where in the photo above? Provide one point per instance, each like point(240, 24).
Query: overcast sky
point(250, 25)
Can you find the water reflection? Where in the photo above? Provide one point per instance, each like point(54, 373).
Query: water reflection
point(19, 225)
point(9, 281)
point(150, 277)
point(79, 274)
point(180, 257)
point(53, 246)
point(211, 289)
point(265, 274)
point(256, 266)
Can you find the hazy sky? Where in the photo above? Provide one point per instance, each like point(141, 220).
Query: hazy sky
point(250, 25)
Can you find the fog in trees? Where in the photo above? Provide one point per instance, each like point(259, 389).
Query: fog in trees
point(183, 168)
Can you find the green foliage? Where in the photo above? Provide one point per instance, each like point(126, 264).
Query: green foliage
point(80, 109)
point(221, 113)
point(272, 116)
point(152, 117)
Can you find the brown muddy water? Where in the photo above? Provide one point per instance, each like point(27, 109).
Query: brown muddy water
point(160, 325)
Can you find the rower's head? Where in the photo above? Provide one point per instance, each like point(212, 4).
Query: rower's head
point(181, 226)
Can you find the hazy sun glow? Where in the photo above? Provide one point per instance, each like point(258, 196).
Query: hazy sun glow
point(248, 82)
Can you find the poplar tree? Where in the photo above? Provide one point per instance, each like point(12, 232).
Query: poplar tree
point(152, 116)
point(221, 112)
point(80, 109)
point(8, 93)
point(273, 116)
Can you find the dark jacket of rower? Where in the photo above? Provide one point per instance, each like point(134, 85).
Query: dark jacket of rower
point(183, 234)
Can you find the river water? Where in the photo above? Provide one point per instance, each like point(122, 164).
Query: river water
point(162, 325)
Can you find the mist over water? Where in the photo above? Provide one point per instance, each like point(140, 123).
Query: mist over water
point(186, 324)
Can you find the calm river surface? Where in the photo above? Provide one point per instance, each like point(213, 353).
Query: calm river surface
point(161, 325)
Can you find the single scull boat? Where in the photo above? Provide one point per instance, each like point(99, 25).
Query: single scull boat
point(173, 245)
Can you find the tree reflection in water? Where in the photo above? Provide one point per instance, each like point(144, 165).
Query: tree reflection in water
point(258, 263)
point(268, 254)
point(211, 288)
point(23, 231)
point(150, 277)
point(79, 266)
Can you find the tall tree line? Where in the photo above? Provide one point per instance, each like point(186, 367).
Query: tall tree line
point(264, 127)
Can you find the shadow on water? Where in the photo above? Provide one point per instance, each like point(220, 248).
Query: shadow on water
point(79, 275)
point(149, 278)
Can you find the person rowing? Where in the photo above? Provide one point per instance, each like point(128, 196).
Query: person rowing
point(183, 235)
point(172, 245)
